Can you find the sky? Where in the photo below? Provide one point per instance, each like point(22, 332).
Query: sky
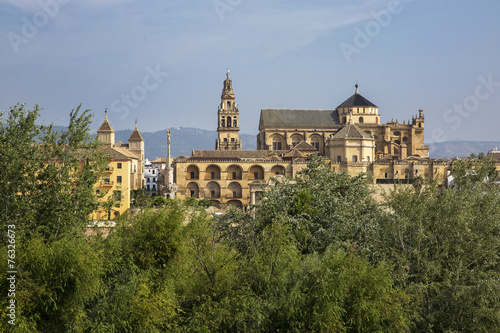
point(163, 62)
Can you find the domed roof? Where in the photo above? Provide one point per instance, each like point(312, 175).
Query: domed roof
point(356, 100)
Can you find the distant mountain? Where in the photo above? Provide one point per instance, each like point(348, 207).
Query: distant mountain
point(460, 148)
point(184, 140)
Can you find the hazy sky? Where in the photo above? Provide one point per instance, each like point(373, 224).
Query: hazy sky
point(164, 61)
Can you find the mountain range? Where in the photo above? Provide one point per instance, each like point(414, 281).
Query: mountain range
point(185, 139)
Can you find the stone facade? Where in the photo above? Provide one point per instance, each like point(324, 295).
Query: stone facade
point(351, 136)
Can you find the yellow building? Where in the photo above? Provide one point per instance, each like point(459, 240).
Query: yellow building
point(124, 172)
point(351, 136)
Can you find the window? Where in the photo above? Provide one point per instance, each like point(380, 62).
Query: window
point(234, 174)
point(212, 194)
point(212, 174)
point(147, 180)
point(276, 145)
point(119, 179)
point(315, 144)
point(339, 158)
point(107, 167)
point(354, 158)
point(192, 193)
point(225, 139)
point(235, 194)
point(232, 139)
point(397, 133)
point(147, 187)
point(106, 180)
point(192, 175)
point(405, 139)
point(222, 123)
point(386, 175)
point(235, 124)
point(255, 175)
point(153, 171)
point(360, 120)
point(117, 195)
point(119, 165)
point(228, 104)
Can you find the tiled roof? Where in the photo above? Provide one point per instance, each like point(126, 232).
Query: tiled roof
point(350, 131)
point(105, 126)
point(135, 135)
point(234, 153)
point(294, 153)
point(356, 100)
point(160, 160)
point(304, 146)
point(118, 154)
point(289, 118)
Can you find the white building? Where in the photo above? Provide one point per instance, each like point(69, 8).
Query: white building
point(151, 173)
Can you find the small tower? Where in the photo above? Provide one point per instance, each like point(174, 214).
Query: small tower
point(136, 146)
point(228, 119)
point(106, 133)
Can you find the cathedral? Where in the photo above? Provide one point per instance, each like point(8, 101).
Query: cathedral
point(351, 137)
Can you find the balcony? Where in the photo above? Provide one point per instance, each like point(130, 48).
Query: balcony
point(109, 170)
point(106, 183)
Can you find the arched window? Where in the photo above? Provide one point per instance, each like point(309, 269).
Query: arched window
point(228, 122)
point(222, 123)
point(228, 104)
point(235, 123)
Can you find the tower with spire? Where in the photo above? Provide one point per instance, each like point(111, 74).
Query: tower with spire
point(228, 119)
point(136, 146)
point(106, 133)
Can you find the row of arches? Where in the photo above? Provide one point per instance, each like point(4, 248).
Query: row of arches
point(213, 190)
point(233, 172)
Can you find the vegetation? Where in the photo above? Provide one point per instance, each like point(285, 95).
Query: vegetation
point(319, 256)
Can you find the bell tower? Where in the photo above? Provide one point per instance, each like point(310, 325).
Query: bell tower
point(228, 119)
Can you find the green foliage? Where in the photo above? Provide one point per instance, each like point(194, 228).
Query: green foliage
point(191, 202)
point(160, 201)
point(324, 207)
point(205, 203)
point(140, 198)
point(47, 177)
point(445, 245)
point(153, 236)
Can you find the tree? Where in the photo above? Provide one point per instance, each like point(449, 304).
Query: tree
point(445, 246)
point(47, 193)
point(324, 207)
